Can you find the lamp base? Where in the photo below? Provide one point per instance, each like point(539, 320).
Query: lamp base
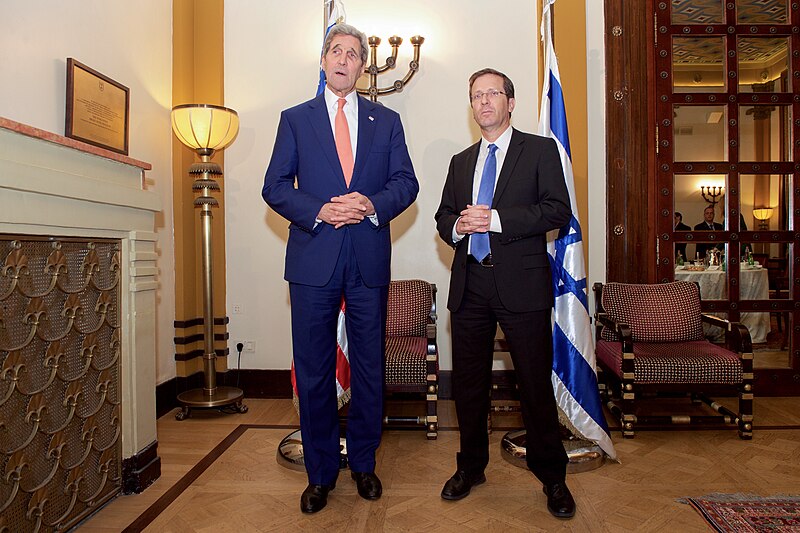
point(219, 397)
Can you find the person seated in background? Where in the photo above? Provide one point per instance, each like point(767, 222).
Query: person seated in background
point(708, 224)
point(680, 248)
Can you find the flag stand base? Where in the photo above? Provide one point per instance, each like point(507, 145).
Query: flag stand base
point(584, 455)
point(290, 452)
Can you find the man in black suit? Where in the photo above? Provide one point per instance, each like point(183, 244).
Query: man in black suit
point(680, 226)
point(708, 224)
point(501, 196)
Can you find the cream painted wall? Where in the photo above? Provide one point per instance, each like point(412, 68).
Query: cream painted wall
point(36, 37)
point(271, 63)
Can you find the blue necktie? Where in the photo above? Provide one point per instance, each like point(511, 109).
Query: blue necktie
point(480, 241)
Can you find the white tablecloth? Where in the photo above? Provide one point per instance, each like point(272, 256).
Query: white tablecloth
point(753, 285)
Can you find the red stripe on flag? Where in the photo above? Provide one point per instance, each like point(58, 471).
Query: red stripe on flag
point(342, 369)
point(294, 380)
point(342, 364)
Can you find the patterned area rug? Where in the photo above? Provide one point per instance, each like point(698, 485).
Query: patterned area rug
point(748, 512)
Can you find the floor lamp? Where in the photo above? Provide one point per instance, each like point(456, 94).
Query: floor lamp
point(205, 128)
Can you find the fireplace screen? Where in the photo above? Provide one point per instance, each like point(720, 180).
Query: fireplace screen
point(60, 445)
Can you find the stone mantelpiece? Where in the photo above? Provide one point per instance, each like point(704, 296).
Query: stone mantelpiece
point(54, 186)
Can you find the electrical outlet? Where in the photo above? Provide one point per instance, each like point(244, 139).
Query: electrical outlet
point(237, 309)
point(249, 346)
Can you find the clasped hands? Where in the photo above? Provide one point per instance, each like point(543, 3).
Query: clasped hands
point(474, 219)
point(348, 208)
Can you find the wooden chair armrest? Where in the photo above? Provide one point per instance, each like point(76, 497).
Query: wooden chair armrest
point(737, 336)
point(738, 339)
point(714, 321)
point(604, 320)
point(623, 331)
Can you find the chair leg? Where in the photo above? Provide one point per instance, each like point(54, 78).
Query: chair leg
point(622, 408)
point(745, 415)
point(432, 420)
point(628, 404)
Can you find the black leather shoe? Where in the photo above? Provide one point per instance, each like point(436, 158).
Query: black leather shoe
point(369, 486)
point(315, 497)
point(460, 484)
point(559, 500)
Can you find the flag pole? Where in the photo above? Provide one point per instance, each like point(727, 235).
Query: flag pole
point(327, 10)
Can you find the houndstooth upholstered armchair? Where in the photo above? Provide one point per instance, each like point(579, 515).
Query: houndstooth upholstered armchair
point(650, 343)
point(412, 353)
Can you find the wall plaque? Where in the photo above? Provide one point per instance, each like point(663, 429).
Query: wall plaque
point(97, 108)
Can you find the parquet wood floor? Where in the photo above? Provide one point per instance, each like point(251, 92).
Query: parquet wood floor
point(244, 489)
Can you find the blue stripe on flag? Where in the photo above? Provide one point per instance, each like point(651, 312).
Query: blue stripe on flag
point(558, 115)
point(579, 378)
point(321, 84)
point(563, 282)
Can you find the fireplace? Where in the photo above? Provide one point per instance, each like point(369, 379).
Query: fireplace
point(77, 328)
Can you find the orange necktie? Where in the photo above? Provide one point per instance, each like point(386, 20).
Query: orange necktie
point(343, 146)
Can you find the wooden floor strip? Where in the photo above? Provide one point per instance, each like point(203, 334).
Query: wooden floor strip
point(152, 512)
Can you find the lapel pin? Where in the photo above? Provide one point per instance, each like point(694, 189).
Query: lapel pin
point(370, 117)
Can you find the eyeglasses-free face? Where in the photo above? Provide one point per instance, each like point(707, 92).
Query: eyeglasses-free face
point(342, 64)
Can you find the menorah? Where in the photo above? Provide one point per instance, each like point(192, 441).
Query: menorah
point(373, 70)
point(712, 194)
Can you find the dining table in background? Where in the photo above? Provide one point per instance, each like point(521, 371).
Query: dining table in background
point(753, 285)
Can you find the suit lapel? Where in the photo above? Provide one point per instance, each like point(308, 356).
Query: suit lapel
point(321, 122)
point(366, 133)
point(466, 177)
point(510, 161)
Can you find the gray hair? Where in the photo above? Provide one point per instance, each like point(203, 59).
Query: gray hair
point(346, 29)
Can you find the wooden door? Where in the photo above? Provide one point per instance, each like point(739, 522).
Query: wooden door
point(703, 119)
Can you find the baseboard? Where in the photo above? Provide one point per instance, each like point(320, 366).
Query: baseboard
point(140, 470)
point(277, 384)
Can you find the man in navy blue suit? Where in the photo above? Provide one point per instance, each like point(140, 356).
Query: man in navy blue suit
point(340, 172)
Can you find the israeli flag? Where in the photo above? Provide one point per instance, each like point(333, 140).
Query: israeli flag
point(335, 16)
point(574, 376)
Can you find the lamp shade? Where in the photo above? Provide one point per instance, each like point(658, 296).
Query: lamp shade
point(205, 126)
point(762, 213)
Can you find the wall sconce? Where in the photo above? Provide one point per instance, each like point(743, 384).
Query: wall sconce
point(206, 128)
point(762, 214)
point(711, 194)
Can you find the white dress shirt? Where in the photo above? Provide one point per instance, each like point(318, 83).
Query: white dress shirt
point(351, 115)
point(502, 143)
